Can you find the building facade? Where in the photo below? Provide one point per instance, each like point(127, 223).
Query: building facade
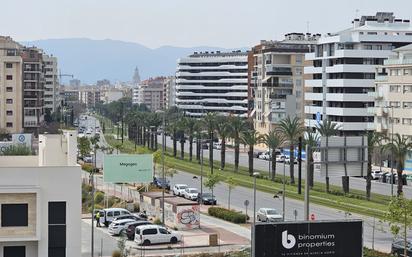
point(213, 82)
point(51, 86)
point(40, 215)
point(343, 71)
point(150, 92)
point(276, 79)
point(89, 96)
point(170, 92)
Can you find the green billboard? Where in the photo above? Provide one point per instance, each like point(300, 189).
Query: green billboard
point(125, 168)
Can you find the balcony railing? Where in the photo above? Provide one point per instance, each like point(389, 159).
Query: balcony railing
point(398, 61)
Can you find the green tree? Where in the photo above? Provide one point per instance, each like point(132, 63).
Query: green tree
point(251, 138)
point(273, 140)
point(118, 146)
point(291, 129)
point(326, 129)
point(374, 140)
point(400, 147)
point(238, 126)
point(14, 150)
point(223, 129)
point(399, 216)
point(210, 123)
point(311, 139)
point(211, 181)
point(123, 249)
point(231, 184)
point(181, 135)
point(83, 144)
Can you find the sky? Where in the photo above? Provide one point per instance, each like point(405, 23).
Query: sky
point(186, 23)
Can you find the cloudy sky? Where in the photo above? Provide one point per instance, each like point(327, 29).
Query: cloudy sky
point(154, 23)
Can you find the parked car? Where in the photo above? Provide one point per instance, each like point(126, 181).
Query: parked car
point(191, 193)
point(155, 234)
point(268, 215)
point(206, 198)
point(117, 226)
point(160, 182)
point(88, 159)
point(178, 189)
point(398, 247)
point(128, 217)
point(217, 146)
point(108, 215)
point(205, 146)
point(256, 154)
point(287, 160)
point(265, 156)
point(131, 228)
point(280, 158)
point(376, 174)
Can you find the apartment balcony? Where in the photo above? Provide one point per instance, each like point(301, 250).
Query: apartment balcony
point(339, 111)
point(310, 56)
point(312, 70)
point(350, 83)
point(314, 96)
point(356, 53)
point(313, 109)
point(313, 83)
point(343, 97)
point(351, 68)
point(398, 61)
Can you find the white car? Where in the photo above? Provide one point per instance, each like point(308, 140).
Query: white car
point(217, 146)
point(191, 193)
point(376, 174)
point(117, 226)
point(265, 156)
point(108, 215)
point(179, 189)
point(268, 215)
point(155, 234)
point(287, 160)
point(280, 158)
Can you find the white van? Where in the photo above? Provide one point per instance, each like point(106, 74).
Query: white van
point(108, 215)
point(155, 234)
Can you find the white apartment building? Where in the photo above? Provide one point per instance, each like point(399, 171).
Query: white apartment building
point(11, 86)
point(276, 79)
point(51, 85)
point(170, 92)
point(213, 82)
point(150, 92)
point(343, 71)
point(40, 200)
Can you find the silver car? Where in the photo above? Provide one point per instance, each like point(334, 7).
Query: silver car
point(268, 215)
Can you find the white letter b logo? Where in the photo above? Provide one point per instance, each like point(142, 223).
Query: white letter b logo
point(288, 241)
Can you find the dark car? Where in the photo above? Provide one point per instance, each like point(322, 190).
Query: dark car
point(256, 154)
point(398, 247)
point(206, 198)
point(131, 227)
point(205, 146)
point(160, 183)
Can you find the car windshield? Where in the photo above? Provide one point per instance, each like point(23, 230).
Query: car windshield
point(271, 212)
point(207, 195)
point(193, 191)
point(182, 187)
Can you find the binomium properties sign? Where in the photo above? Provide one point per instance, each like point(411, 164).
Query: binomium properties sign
point(125, 168)
point(315, 239)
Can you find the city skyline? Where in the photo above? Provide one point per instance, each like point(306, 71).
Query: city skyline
point(159, 23)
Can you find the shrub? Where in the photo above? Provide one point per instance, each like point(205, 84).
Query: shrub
point(157, 221)
point(112, 201)
point(116, 253)
point(87, 167)
point(98, 197)
point(228, 215)
point(136, 207)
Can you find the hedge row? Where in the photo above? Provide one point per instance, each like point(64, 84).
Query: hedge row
point(228, 215)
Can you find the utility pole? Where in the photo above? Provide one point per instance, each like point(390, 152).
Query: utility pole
point(300, 166)
point(122, 121)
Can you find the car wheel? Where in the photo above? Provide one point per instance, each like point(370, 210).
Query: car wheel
point(258, 218)
point(146, 242)
point(173, 240)
point(106, 223)
point(266, 220)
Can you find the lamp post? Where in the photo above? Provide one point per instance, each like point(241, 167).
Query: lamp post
point(392, 178)
point(252, 252)
point(163, 164)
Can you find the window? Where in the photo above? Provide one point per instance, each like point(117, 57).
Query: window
point(9, 89)
point(395, 104)
point(9, 124)
point(9, 113)
point(57, 229)
point(395, 88)
point(407, 121)
point(116, 213)
point(9, 101)
point(163, 231)
point(9, 65)
point(150, 231)
point(14, 251)
point(109, 214)
point(14, 215)
point(9, 77)
point(372, 33)
point(407, 89)
point(407, 105)
point(407, 72)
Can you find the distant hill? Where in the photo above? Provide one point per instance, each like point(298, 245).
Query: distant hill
point(92, 60)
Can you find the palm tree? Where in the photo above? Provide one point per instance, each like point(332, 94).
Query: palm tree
point(291, 129)
point(223, 129)
point(181, 135)
point(251, 138)
point(190, 129)
point(400, 147)
point(210, 123)
point(374, 139)
point(311, 139)
point(273, 140)
point(172, 129)
point(238, 126)
point(327, 129)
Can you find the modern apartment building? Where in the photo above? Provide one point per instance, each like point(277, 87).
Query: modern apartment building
point(213, 82)
point(11, 86)
point(276, 79)
point(170, 92)
point(89, 96)
point(151, 93)
point(40, 200)
point(51, 85)
point(343, 71)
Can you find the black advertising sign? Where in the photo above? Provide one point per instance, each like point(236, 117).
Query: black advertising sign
point(309, 238)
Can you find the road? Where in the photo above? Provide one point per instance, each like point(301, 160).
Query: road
point(355, 183)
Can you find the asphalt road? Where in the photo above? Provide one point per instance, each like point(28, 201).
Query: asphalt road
point(355, 183)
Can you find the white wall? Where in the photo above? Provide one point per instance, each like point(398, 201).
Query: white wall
point(31, 247)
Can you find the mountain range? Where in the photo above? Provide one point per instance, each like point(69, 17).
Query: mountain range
point(91, 60)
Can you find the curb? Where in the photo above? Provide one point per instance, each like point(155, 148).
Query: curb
point(181, 247)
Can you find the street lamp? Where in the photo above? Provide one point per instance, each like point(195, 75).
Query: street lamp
point(163, 164)
point(392, 178)
point(252, 252)
point(284, 190)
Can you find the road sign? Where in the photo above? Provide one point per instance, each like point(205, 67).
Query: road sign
point(124, 168)
point(246, 203)
point(309, 238)
point(312, 216)
point(318, 117)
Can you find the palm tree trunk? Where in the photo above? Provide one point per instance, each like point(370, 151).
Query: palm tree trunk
point(211, 152)
point(182, 149)
point(292, 164)
point(236, 155)
point(311, 171)
point(250, 153)
point(174, 144)
point(144, 136)
point(155, 137)
point(148, 138)
point(369, 178)
point(400, 180)
point(190, 147)
point(223, 154)
point(273, 174)
point(198, 149)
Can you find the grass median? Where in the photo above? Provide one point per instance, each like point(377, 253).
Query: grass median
point(354, 202)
